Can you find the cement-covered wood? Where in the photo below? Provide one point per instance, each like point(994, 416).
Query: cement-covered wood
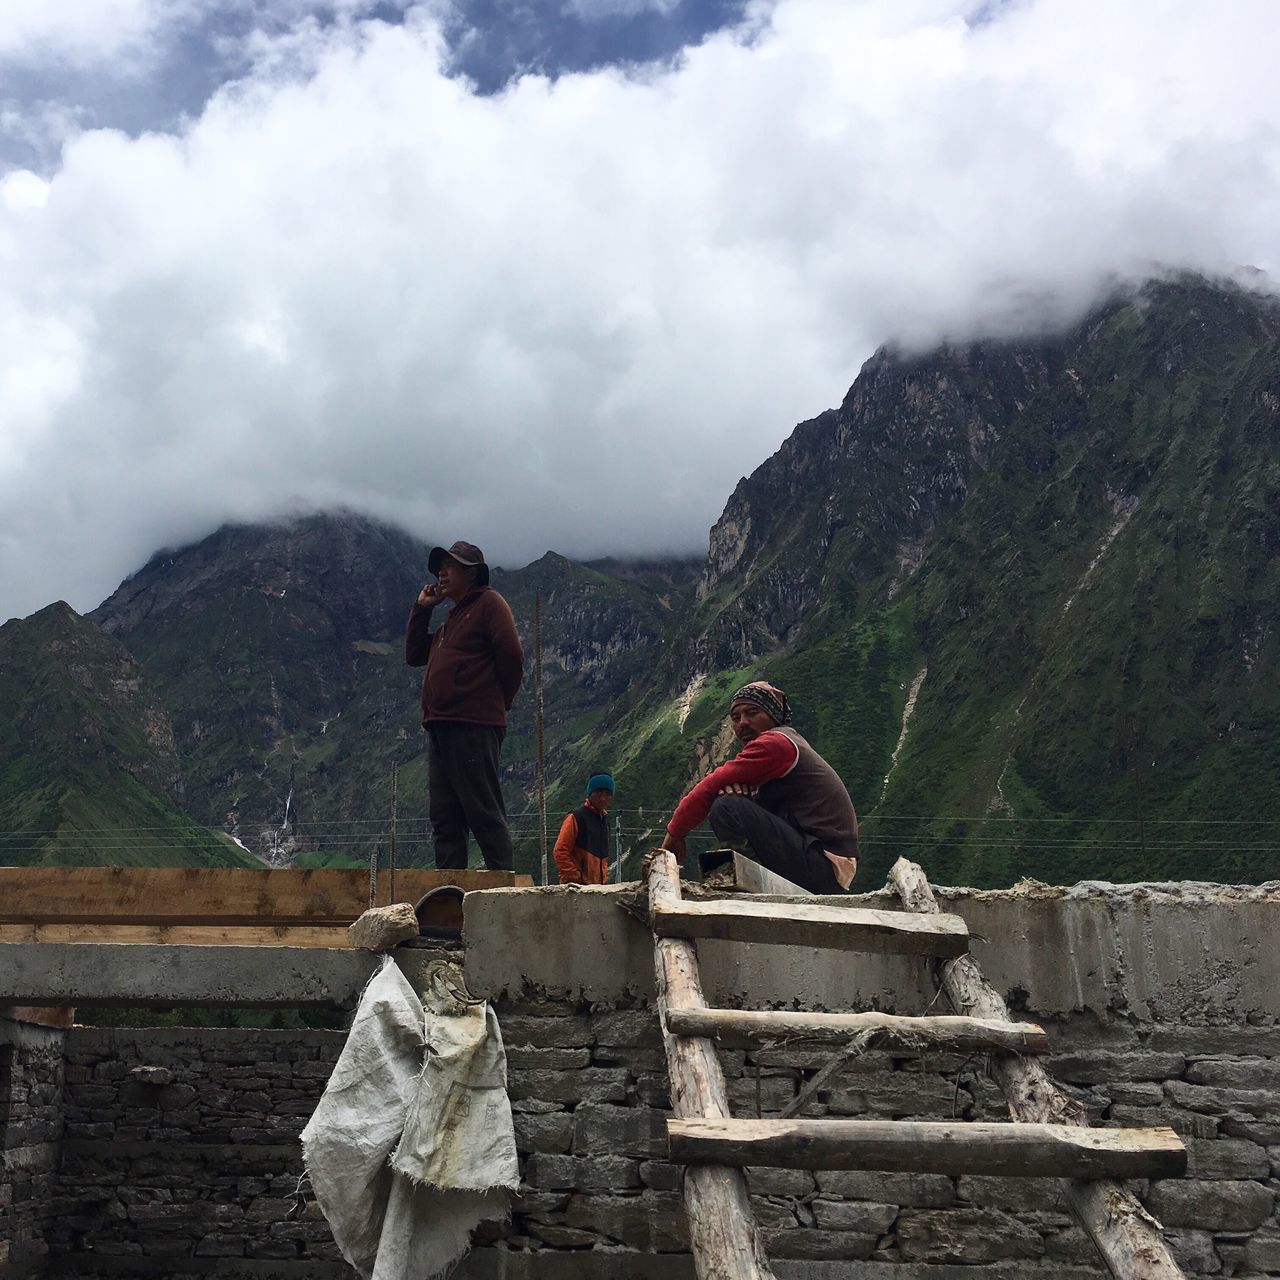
point(725, 1239)
point(813, 925)
point(930, 1146)
point(199, 935)
point(1127, 1238)
point(738, 1027)
point(745, 875)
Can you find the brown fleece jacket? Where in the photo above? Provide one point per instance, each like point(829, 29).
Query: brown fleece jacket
point(474, 660)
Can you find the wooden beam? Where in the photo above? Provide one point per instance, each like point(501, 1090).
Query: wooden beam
point(201, 935)
point(1126, 1236)
point(739, 1027)
point(805, 925)
point(748, 876)
point(208, 895)
point(930, 1146)
point(724, 1238)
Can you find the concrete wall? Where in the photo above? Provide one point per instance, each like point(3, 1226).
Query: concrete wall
point(179, 1152)
point(1166, 952)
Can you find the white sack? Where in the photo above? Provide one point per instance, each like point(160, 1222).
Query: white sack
point(412, 1144)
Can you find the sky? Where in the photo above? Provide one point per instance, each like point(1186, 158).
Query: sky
point(555, 274)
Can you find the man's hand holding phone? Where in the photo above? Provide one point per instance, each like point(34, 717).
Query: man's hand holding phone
point(430, 595)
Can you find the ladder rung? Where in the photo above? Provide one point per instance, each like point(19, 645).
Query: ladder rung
point(800, 924)
point(918, 1146)
point(887, 1031)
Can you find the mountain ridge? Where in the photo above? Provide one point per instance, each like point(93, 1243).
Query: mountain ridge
point(1022, 592)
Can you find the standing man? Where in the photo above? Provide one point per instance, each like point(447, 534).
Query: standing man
point(474, 666)
point(777, 800)
point(582, 847)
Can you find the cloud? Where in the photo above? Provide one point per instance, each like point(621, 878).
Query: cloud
point(82, 32)
point(592, 10)
point(573, 313)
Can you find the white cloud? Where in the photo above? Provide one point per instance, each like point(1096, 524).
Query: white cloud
point(573, 314)
point(81, 32)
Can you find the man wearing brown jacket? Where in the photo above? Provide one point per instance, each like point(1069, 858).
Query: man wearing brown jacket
point(474, 666)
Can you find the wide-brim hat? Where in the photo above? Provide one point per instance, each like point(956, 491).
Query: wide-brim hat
point(464, 553)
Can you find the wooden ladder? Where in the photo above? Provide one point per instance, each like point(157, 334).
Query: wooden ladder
point(1050, 1139)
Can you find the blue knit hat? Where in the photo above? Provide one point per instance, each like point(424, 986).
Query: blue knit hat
point(599, 782)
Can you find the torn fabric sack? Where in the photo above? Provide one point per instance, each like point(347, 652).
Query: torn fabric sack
point(412, 1144)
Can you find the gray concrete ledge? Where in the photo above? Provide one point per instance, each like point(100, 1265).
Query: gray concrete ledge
point(29, 1035)
point(1188, 953)
point(69, 973)
point(1176, 953)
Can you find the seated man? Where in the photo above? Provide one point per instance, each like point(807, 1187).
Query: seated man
point(777, 801)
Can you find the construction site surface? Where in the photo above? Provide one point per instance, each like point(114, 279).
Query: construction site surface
point(919, 1084)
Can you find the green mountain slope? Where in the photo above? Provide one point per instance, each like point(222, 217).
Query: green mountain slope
point(1072, 545)
point(89, 772)
point(1023, 594)
point(278, 651)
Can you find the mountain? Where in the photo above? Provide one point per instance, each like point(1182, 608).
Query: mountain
point(279, 652)
point(1024, 595)
point(269, 645)
point(89, 771)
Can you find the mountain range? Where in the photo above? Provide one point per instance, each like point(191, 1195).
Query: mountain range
point(1022, 593)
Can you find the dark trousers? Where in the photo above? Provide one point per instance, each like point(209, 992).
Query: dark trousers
point(462, 774)
point(773, 842)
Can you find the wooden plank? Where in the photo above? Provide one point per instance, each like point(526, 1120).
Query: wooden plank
point(931, 1146)
point(1127, 1237)
point(723, 1235)
point(804, 925)
point(738, 1027)
point(748, 876)
point(202, 935)
point(208, 895)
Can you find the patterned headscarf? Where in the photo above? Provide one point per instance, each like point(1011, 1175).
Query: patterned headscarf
point(762, 694)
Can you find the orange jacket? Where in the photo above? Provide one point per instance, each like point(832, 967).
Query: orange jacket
point(576, 864)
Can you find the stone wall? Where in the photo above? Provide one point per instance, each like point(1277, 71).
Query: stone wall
point(181, 1146)
point(589, 1090)
point(179, 1154)
point(30, 1128)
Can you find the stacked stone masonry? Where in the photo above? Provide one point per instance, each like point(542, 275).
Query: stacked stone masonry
point(174, 1153)
point(31, 1099)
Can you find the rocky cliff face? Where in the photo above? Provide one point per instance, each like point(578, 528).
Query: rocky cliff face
point(257, 640)
point(1025, 596)
point(279, 652)
point(1022, 594)
point(859, 493)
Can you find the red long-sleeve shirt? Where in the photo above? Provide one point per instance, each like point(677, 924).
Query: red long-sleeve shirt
point(769, 756)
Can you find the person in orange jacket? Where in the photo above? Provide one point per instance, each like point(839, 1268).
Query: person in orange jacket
point(582, 847)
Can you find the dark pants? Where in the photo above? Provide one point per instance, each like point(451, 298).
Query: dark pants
point(462, 774)
point(773, 842)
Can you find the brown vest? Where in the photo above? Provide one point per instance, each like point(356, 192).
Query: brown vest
point(813, 798)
